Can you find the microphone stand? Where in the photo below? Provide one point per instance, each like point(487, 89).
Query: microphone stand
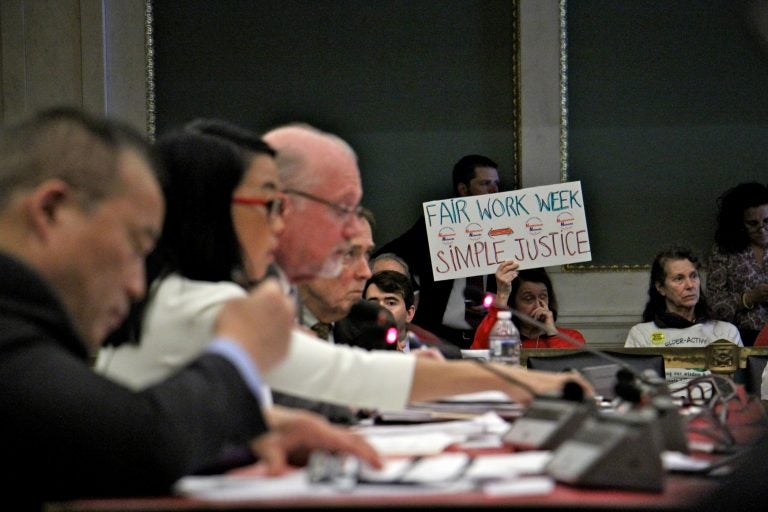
point(548, 421)
point(476, 295)
point(636, 388)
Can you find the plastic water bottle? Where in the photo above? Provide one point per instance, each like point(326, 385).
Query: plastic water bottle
point(504, 340)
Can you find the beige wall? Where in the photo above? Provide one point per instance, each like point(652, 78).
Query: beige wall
point(91, 53)
point(85, 53)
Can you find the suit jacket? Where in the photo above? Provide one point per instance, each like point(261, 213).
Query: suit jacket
point(67, 432)
point(413, 247)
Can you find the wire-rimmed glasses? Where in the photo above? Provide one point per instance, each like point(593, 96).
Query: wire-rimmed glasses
point(340, 210)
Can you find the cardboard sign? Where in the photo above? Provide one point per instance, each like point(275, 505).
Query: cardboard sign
point(537, 227)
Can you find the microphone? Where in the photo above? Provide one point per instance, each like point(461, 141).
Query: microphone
point(633, 387)
point(557, 425)
point(476, 296)
point(367, 325)
point(548, 420)
point(627, 376)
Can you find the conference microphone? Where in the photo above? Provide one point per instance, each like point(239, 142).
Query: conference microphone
point(367, 325)
point(621, 450)
point(548, 420)
point(635, 387)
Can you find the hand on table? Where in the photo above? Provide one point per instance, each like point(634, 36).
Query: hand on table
point(429, 353)
point(295, 433)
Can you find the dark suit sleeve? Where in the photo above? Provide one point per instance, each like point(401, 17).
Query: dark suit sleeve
point(75, 433)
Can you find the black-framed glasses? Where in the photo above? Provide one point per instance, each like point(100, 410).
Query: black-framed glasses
point(755, 225)
point(341, 211)
point(275, 206)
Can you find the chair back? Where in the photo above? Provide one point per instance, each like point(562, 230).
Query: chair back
point(754, 373)
point(581, 359)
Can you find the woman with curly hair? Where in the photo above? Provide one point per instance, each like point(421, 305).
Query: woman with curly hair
point(737, 277)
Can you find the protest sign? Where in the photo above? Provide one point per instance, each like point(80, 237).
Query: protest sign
point(537, 227)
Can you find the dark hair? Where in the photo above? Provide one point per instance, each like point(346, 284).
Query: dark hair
point(533, 275)
point(367, 215)
point(241, 137)
point(657, 304)
point(391, 281)
point(464, 169)
point(731, 236)
point(72, 145)
point(198, 239)
point(393, 257)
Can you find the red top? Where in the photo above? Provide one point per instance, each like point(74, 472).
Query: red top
point(762, 337)
point(483, 330)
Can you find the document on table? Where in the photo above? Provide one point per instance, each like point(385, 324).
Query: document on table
point(296, 485)
point(415, 464)
point(458, 406)
point(432, 438)
point(502, 474)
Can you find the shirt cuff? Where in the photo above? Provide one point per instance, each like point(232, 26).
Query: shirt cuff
point(235, 354)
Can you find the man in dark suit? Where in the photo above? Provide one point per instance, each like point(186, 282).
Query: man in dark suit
point(80, 208)
point(442, 308)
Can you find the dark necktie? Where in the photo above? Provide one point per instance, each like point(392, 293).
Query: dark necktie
point(474, 312)
point(322, 329)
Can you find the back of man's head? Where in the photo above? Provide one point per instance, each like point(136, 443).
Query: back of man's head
point(390, 261)
point(297, 145)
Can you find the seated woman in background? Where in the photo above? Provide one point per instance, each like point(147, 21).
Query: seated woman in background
point(529, 292)
point(737, 277)
point(677, 313)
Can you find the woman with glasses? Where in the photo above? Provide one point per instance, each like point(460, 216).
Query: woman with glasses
point(737, 279)
point(531, 293)
point(220, 232)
